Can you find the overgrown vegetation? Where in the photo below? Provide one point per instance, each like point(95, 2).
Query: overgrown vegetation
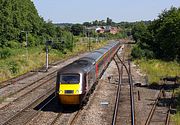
point(23, 35)
point(21, 26)
point(22, 60)
point(157, 49)
point(159, 39)
point(156, 69)
point(176, 117)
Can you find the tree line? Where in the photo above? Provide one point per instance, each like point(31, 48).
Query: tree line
point(160, 38)
point(21, 26)
point(20, 18)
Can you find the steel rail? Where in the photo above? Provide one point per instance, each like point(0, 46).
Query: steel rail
point(75, 117)
point(153, 108)
point(15, 79)
point(54, 121)
point(170, 107)
point(32, 83)
point(117, 94)
point(131, 90)
point(28, 74)
point(32, 105)
point(27, 91)
point(131, 96)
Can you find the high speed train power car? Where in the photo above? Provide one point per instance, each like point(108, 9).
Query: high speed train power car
point(75, 80)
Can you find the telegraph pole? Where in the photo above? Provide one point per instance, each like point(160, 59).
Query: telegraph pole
point(47, 51)
point(26, 32)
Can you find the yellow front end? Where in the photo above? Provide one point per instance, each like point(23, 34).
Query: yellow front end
point(69, 94)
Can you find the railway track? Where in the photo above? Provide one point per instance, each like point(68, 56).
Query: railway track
point(28, 112)
point(161, 115)
point(14, 80)
point(8, 95)
point(76, 115)
point(31, 87)
point(56, 118)
point(25, 115)
point(124, 95)
point(170, 108)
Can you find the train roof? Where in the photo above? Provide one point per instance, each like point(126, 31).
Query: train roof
point(97, 54)
point(85, 63)
point(78, 66)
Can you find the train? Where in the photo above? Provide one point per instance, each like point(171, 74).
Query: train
point(75, 81)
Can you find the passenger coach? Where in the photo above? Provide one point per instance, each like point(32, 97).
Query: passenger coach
point(75, 80)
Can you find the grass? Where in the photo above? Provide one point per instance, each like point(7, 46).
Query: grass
point(156, 69)
point(22, 60)
point(176, 117)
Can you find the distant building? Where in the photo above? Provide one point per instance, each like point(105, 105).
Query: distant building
point(107, 29)
point(114, 30)
point(100, 30)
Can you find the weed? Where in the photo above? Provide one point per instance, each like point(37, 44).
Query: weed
point(156, 69)
point(17, 63)
point(13, 67)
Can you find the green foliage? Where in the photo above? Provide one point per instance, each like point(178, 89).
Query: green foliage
point(138, 31)
point(161, 36)
point(64, 41)
point(87, 24)
point(156, 69)
point(176, 116)
point(166, 32)
point(13, 67)
point(137, 52)
point(109, 21)
point(18, 63)
point(20, 23)
point(77, 29)
point(13, 44)
point(17, 16)
point(5, 53)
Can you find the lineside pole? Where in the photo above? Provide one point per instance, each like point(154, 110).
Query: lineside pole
point(47, 58)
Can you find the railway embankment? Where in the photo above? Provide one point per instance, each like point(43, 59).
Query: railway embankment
point(98, 110)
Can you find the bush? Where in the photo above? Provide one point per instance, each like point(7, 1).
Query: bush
point(31, 40)
point(13, 67)
point(13, 44)
point(137, 52)
point(148, 54)
point(5, 53)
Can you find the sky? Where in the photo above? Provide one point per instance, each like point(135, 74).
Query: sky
point(79, 11)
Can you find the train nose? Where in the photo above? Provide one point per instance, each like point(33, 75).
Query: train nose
point(69, 94)
point(69, 89)
point(69, 99)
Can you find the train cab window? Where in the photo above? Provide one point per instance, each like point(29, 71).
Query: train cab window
point(69, 79)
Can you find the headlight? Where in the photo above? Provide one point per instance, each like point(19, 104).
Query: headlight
point(77, 91)
point(61, 91)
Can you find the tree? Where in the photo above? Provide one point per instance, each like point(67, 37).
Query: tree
point(77, 29)
point(87, 24)
point(162, 36)
point(17, 16)
point(109, 21)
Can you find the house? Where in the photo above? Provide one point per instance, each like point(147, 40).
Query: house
point(107, 29)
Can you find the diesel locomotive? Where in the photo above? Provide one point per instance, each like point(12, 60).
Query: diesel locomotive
point(75, 80)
